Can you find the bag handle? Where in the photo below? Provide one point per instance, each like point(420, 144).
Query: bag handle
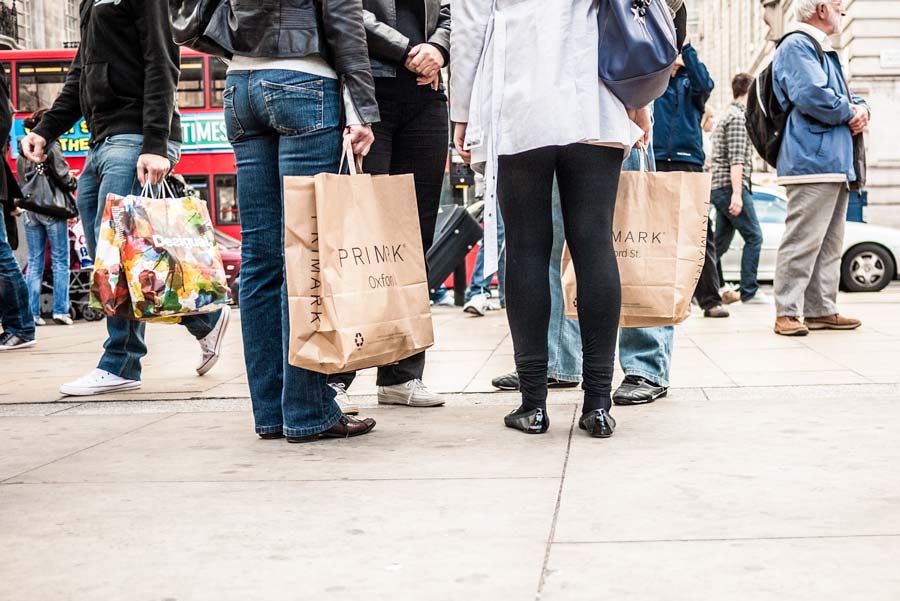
point(354, 161)
point(644, 158)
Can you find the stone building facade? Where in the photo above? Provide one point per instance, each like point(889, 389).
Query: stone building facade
point(33, 24)
point(738, 35)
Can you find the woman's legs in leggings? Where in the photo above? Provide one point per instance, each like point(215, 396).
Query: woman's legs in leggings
point(525, 187)
point(588, 179)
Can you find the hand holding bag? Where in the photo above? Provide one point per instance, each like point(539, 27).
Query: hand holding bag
point(637, 49)
point(41, 194)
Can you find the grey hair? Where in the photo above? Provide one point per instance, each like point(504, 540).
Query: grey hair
point(806, 9)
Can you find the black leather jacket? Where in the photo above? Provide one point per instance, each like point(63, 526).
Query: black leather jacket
point(387, 46)
point(297, 28)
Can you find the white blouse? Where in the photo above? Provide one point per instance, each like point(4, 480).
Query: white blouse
point(524, 76)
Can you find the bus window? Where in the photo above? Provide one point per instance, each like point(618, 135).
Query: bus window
point(200, 184)
point(191, 85)
point(39, 83)
point(227, 212)
point(217, 72)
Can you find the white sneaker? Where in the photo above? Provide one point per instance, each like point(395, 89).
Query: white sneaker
point(39, 321)
point(446, 301)
point(760, 298)
point(477, 305)
point(212, 342)
point(98, 381)
point(343, 400)
point(413, 394)
point(62, 319)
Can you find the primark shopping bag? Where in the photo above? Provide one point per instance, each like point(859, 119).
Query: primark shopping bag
point(157, 258)
point(659, 237)
point(355, 268)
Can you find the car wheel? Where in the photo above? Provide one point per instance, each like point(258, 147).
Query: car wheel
point(867, 268)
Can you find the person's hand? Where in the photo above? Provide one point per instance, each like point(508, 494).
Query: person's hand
point(16, 212)
point(737, 204)
point(424, 59)
point(459, 141)
point(860, 119)
point(434, 81)
point(33, 147)
point(641, 118)
point(152, 169)
point(360, 137)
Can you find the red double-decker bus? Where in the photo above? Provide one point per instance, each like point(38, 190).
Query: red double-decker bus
point(207, 162)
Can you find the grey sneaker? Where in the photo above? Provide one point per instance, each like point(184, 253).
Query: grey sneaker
point(343, 400)
point(211, 344)
point(412, 394)
point(11, 342)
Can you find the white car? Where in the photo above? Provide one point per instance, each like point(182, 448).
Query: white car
point(870, 251)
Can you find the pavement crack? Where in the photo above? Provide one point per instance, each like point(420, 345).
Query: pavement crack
point(552, 535)
point(736, 539)
point(97, 444)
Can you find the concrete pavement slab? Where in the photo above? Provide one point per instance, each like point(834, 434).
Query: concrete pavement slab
point(824, 569)
point(441, 540)
point(27, 443)
point(452, 443)
point(766, 468)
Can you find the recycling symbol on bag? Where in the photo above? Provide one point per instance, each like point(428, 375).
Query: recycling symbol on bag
point(359, 340)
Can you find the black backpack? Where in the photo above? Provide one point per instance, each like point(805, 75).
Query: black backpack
point(766, 119)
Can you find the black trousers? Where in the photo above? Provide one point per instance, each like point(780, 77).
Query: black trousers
point(412, 137)
point(588, 178)
point(707, 293)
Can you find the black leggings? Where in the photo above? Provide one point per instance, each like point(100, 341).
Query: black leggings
point(588, 178)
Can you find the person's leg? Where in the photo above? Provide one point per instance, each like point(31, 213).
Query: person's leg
point(588, 179)
point(525, 189)
point(707, 292)
point(114, 161)
point(721, 200)
point(308, 403)
point(647, 353)
point(820, 299)
point(58, 232)
point(477, 283)
point(810, 209)
point(564, 361)
point(14, 309)
point(36, 236)
point(420, 148)
point(747, 224)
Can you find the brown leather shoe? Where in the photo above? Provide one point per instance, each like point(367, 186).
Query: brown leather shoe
point(717, 311)
point(347, 427)
point(788, 325)
point(832, 322)
point(729, 297)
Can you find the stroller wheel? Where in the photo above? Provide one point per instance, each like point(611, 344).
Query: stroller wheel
point(91, 314)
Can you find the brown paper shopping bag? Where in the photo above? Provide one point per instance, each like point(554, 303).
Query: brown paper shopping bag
point(659, 236)
point(357, 289)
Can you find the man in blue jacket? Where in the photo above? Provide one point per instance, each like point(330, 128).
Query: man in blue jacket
point(816, 164)
point(678, 146)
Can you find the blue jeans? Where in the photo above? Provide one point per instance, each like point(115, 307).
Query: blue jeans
point(564, 358)
point(279, 123)
point(646, 352)
point(480, 282)
point(747, 224)
point(110, 168)
point(17, 318)
point(37, 232)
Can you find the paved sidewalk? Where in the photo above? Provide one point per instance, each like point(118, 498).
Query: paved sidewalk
point(769, 473)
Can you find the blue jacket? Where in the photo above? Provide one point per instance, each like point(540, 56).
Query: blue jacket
point(677, 135)
point(816, 139)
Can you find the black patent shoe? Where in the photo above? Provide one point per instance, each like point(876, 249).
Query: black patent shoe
point(529, 421)
point(598, 423)
point(271, 435)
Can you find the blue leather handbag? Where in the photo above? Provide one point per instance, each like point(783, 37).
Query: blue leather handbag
point(637, 49)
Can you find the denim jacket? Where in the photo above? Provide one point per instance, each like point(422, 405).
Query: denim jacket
point(817, 145)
